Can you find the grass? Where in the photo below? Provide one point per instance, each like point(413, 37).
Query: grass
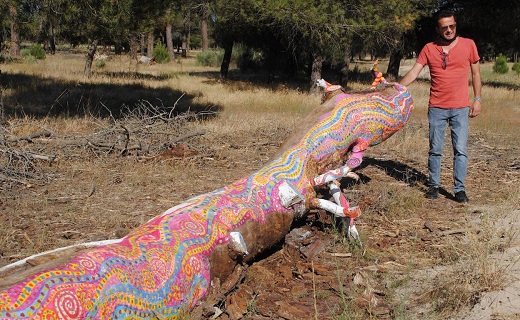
point(59, 87)
point(53, 95)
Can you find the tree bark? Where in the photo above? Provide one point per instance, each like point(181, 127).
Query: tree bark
point(169, 38)
point(15, 31)
point(2, 118)
point(151, 43)
point(118, 48)
point(185, 30)
point(90, 57)
point(134, 45)
point(392, 73)
point(224, 67)
point(191, 245)
point(143, 44)
point(204, 25)
point(188, 39)
point(2, 40)
point(343, 73)
point(52, 42)
point(317, 64)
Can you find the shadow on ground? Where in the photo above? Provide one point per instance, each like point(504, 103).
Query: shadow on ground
point(39, 96)
point(238, 80)
point(401, 172)
point(395, 169)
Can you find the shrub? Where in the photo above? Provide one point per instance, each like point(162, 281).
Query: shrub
point(30, 59)
point(25, 52)
point(38, 52)
point(209, 58)
point(100, 64)
point(248, 59)
point(516, 68)
point(161, 54)
point(501, 65)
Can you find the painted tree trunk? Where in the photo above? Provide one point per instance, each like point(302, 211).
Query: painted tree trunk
point(166, 266)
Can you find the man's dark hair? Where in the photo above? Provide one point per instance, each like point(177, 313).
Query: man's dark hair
point(445, 14)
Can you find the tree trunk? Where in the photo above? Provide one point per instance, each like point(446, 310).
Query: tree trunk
point(134, 45)
point(317, 64)
point(392, 73)
point(2, 118)
point(204, 25)
point(118, 48)
point(188, 40)
point(2, 39)
point(151, 43)
point(169, 38)
point(143, 44)
point(185, 30)
point(15, 31)
point(200, 248)
point(90, 57)
point(224, 67)
point(169, 41)
point(184, 47)
point(52, 42)
point(343, 73)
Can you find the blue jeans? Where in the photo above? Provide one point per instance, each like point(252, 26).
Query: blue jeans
point(458, 120)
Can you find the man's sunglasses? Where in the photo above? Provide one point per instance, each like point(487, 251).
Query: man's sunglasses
point(451, 26)
point(444, 56)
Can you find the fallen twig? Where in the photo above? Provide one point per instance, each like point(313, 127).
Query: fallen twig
point(188, 135)
point(341, 255)
point(451, 232)
point(29, 138)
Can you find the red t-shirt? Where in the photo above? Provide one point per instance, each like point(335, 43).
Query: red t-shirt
point(449, 86)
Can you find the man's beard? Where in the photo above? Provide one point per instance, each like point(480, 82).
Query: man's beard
point(448, 40)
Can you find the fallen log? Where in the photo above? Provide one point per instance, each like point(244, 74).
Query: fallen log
point(166, 266)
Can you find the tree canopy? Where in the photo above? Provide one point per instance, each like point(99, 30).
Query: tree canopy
point(293, 36)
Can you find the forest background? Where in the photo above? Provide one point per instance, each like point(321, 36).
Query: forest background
point(289, 38)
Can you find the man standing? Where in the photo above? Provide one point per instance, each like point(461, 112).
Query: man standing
point(449, 58)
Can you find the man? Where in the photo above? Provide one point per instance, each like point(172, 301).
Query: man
point(450, 59)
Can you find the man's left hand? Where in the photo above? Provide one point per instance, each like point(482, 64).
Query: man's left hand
point(475, 109)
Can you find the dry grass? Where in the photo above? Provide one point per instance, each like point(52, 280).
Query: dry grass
point(479, 267)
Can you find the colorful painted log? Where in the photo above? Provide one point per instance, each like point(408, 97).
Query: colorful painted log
point(164, 267)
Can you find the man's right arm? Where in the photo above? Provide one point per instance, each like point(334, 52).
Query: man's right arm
point(411, 75)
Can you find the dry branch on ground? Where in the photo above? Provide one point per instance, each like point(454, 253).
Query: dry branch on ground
point(144, 131)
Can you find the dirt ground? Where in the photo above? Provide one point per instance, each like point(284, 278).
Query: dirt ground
point(399, 272)
point(414, 261)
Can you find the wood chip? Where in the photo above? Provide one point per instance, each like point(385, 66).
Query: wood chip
point(341, 255)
